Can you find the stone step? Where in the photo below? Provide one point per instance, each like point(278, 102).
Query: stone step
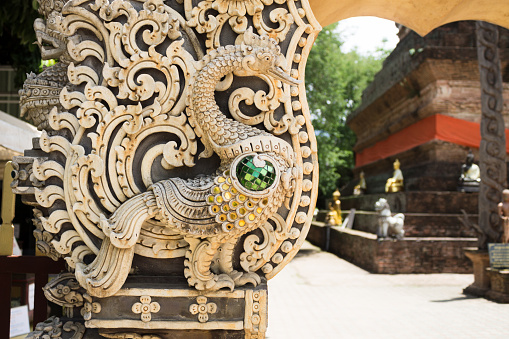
point(416, 202)
point(410, 255)
point(420, 225)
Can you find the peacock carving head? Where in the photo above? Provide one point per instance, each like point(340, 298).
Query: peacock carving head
point(263, 56)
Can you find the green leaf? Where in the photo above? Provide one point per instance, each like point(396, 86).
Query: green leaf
point(334, 83)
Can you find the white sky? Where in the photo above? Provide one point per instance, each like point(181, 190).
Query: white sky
point(367, 34)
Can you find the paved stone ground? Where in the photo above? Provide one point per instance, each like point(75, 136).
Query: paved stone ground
point(319, 295)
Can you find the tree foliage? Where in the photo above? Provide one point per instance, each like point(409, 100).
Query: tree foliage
point(17, 36)
point(334, 83)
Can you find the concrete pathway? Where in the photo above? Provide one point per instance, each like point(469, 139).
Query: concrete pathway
point(319, 295)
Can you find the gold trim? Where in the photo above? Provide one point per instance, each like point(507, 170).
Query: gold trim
point(169, 293)
point(167, 325)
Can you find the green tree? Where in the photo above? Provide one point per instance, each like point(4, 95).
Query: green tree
point(334, 83)
point(17, 36)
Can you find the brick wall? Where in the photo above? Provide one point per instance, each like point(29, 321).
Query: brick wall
point(410, 255)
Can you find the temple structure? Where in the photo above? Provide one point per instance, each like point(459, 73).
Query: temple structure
point(424, 108)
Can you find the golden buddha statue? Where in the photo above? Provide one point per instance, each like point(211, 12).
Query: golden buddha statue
point(470, 178)
point(395, 184)
point(361, 187)
point(334, 215)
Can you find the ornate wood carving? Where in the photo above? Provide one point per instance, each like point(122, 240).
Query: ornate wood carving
point(171, 130)
point(492, 149)
point(55, 328)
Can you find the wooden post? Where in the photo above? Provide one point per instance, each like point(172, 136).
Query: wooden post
point(492, 153)
point(42, 267)
point(8, 200)
point(5, 303)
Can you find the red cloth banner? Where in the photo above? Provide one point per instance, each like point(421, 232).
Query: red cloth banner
point(435, 127)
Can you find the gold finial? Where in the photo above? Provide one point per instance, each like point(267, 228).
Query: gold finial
point(336, 194)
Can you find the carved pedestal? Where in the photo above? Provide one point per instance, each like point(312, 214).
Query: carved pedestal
point(481, 260)
point(178, 311)
point(499, 280)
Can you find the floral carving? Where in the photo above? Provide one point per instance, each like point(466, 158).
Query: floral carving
point(54, 328)
point(256, 314)
point(146, 307)
point(234, 12)
point(65, 291)
point(203, 309)
point(89, 307)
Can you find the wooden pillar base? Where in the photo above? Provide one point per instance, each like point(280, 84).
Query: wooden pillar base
point(164, 311)
point(499, 290)
point(481, 261)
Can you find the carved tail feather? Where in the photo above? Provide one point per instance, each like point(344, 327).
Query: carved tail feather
point(123, 227)
point(108, 272)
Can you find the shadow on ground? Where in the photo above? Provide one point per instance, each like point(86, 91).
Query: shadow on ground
point(306, 252)
point(465, 297)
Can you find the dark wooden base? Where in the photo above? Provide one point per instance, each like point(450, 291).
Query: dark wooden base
point(499, 290)
point(475, 291)
point(150, 309)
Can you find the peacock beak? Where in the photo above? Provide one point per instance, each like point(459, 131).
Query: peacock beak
point(280, 74)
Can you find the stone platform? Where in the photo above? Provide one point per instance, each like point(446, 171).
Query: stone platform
point(410, 255)
point(427, 214)
point(434, 235)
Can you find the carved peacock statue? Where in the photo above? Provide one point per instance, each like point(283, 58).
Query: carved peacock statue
point(255, 177)
point(142, 159)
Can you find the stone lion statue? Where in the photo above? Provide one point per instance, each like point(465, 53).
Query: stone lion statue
point(388, 225)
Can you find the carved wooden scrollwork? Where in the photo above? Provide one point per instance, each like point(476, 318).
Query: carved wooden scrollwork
point(492, 148)
point(181, 129)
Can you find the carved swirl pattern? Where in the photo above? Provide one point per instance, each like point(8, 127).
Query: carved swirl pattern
point(492, 148)
point(53, 327)
point(123, 125)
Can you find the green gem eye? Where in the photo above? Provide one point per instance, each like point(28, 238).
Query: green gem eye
point(255, 178)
